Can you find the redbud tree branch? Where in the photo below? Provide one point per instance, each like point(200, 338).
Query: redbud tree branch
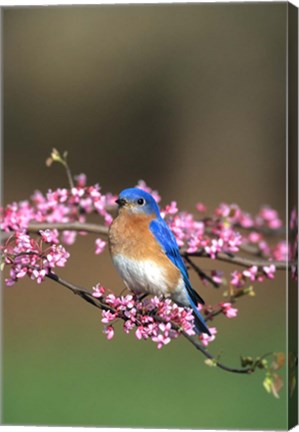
point(103, 230)
point(244, 262)
point(87, 296)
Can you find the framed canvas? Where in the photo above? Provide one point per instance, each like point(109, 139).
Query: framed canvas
point(162, 138)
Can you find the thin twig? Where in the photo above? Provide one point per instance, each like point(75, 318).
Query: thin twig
point(247, 262)
point(200, 272)
point(69, 174)
point(69, 226)
point(264, 230)
point(239, 293)
point(82, 292)
point(248, 370)
point(250, 249)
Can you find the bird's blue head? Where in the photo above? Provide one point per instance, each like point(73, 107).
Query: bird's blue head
point(137, 201)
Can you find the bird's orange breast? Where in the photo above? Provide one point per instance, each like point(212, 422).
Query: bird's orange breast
point(130, 236)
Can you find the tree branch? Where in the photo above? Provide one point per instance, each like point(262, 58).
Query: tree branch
point(69, 226)
point(246, 262)
point(200, 273)
point(81, 292)
point(103, 230)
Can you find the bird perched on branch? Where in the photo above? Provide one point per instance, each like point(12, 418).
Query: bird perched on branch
point(146, 254)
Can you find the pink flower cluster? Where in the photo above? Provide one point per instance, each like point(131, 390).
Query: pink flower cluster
point(210, 237)
point(252, 274)
point(266, 217)
point(226, 308)
point(154, 318)
point(219, 233)
point(60, 206)
point(31, 257)
point(206, 339)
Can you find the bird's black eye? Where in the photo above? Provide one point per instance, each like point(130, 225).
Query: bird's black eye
point(140, 201)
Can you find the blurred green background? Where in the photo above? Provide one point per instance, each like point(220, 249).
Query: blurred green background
point(190, 98)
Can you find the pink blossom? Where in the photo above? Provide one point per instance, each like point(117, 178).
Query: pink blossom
point(202, 208)
point(232, 240)
point(77, 192)
point(223, 210)
point(228, 310)
point(21, 272)
point(163, 337)
point(100, 246)
point(280, 251)
point(270, 217)
point(237, 279)
point(264, 248)
point(184, 226)
point(128, 326)
point(170, 209)
point(110, 199)
point(268, 214)
point(254, 237)
point(251, 273)
point(269, 271)
point(69, 237)
point(49, 236)
point(245, 220)
point(214, 247)
point(199, 306)
point(217, 276)
point(86, 204)
point(112, 300)
point(155, 301)
point(94, 192)
point(80, 180)
point(9, 282)
point(98, 291)
point(141, 333)
point(107, 218)
point(39, 275)
point(229, 212)
point(23, 242)
point(260, 278)
point(109, 332)
point(108, 316)
point(275, 223)
point(206, 339)
point(193, 244)
point(57, 256)
point(126, 302)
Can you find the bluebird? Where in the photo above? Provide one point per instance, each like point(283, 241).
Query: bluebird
point(146, 254)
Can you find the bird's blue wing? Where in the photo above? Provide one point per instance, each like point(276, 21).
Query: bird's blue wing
point(166, 239)
point(164, 236)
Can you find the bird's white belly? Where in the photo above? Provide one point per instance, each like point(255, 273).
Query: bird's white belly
point(142, 276)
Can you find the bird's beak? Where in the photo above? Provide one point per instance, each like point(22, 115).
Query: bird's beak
point(120, 202)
